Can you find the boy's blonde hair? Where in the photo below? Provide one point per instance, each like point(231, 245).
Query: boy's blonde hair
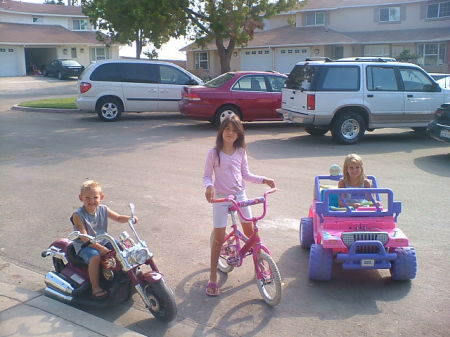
point(353, 158)
point(90, 185)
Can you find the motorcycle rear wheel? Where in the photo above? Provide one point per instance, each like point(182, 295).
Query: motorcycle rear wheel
point(162, 300)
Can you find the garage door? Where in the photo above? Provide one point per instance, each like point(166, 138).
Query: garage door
point(256, 59)
point(286, 58)
point(9, 61)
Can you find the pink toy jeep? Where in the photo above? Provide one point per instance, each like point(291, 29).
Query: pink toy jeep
point(366, 237)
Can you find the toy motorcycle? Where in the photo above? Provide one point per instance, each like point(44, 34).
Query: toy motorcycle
point(129, 265)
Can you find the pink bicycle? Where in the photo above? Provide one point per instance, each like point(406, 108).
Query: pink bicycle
point(232, 253)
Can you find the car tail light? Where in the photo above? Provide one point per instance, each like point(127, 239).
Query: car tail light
point(311, 102)
point(191, 96)
point(84, 87)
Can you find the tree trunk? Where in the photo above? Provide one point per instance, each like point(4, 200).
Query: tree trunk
point(138, 44)
point(225, 54)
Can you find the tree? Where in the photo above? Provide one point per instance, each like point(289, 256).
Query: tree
point(406, 56)
point(230, 23)
point(140, 21)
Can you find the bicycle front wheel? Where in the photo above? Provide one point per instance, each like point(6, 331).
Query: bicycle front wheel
point(269, 279)
point(222, 263)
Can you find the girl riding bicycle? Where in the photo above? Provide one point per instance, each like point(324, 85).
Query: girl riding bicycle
point(227, 162)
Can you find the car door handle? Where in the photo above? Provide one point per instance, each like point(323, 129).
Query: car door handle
point(370, 95)
point(409, 95)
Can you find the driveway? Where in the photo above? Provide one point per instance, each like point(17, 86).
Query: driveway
point(156, 161)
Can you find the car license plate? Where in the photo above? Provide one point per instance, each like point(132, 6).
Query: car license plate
point(445, 133)
point(367, 263)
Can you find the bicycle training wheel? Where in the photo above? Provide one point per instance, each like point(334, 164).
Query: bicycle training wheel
point(222, 263)
point(269, 285)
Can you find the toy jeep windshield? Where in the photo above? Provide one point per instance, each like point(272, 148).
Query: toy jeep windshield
point(362, 237)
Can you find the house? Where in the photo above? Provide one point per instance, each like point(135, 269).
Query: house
point(336, 29)
point(32, 35)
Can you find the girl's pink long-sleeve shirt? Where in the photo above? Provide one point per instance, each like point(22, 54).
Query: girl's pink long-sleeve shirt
point(229, 176)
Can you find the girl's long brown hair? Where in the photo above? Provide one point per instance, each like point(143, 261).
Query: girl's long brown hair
point(238, 126)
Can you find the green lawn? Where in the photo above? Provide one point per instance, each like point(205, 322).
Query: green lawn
point(56, 103)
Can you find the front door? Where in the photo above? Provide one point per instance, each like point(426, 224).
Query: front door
point(171, 81)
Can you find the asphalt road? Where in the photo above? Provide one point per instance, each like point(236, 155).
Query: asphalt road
point(156, 161)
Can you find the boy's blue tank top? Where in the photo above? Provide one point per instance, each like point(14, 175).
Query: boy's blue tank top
point(95, 223)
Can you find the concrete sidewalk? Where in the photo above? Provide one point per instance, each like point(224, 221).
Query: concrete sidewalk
point(25, 311)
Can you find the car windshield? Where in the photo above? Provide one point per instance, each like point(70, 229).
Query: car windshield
point(219, 80)
point(70, 63)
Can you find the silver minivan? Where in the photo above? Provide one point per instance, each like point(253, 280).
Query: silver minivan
point(111, 87)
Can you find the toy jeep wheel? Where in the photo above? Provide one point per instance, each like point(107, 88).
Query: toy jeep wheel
point(320, 263)
point(306, 233)
point(405, 266)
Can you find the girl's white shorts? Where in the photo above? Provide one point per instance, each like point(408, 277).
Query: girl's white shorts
point(220, 210)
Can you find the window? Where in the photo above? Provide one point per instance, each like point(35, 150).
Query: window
point(340, 79)
point(140, 73)
point(276, 82)
point(201, 60)
point(172, 75)
point(390, 14)
point(73, 52)
point(432, 54)
point(37, 20)
point(111, 72)
point(381, 78)
point(415, 80)
point(99, 53)
point(438, 10)
point(79, 24)
point(251, 83)
point(315, 19)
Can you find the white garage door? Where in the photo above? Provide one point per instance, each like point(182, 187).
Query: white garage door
point(9, 61)
point(287, 57)
point(256, 59)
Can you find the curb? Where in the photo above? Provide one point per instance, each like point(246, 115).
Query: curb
point(23, 108)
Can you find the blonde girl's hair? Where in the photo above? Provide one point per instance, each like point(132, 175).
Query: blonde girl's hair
point(238, 126)
point(353, 158)
point(90, 185)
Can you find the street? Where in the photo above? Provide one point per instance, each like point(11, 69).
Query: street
point(156, 161)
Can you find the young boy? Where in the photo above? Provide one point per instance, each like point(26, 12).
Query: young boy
point(92, 219)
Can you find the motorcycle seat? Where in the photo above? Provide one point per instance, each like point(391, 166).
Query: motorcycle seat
point(74, 258)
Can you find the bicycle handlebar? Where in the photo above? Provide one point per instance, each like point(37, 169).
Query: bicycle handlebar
point(238, 204)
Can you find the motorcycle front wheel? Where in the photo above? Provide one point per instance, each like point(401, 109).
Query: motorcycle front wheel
point(162, 301)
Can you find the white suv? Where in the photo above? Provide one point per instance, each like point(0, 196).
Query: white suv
point(113, 86)
point(351, 96)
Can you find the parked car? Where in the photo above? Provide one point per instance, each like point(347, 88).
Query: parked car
point(442, 79)
point(252, 95)
point(111, 87)
point(439, 128)
point(63, 68)
point(351, 96)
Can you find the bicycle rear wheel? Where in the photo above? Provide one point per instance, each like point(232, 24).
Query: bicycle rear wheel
point(222, 263)
point(269, 285)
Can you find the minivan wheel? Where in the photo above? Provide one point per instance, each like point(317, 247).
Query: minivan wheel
point(316, 130)
point(348, 128)
point(223, 113)
point(109, 109)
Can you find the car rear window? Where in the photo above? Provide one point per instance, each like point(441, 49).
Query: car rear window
point(301, 77)
point(219, 80)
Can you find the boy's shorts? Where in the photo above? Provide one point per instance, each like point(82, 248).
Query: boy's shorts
point(220, 210)
point(87, 253)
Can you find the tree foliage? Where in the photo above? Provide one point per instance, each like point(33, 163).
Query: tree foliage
point(140, 21)
point(230, 23)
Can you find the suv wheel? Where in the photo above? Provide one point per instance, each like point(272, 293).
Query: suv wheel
point(109, 109)
point(223, 113)
point(316, 130)
point(348, 128)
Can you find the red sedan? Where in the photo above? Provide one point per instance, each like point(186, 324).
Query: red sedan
point(252, 95)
